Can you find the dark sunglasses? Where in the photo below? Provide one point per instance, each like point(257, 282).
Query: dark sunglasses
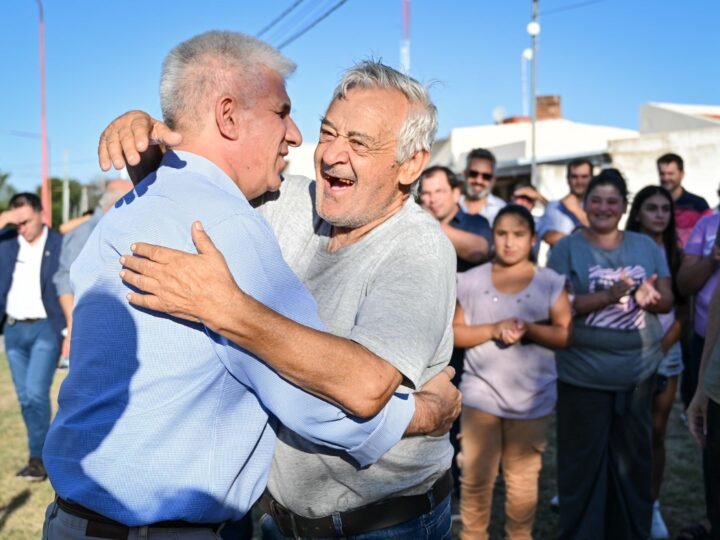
point(475, 174)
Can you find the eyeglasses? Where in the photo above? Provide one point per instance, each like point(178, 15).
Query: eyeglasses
point(475, 174)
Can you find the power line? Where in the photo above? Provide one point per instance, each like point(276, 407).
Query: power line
point(299, 19)
point(312, 24)
point(279, 18)
point(560, 9)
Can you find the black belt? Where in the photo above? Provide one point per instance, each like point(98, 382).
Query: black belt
point(99, 526)
point(375, 516)
point(13, 320)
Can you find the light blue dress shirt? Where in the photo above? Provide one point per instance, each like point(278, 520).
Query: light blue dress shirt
point(162, 419)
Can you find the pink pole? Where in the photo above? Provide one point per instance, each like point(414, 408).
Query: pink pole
point(45, 187)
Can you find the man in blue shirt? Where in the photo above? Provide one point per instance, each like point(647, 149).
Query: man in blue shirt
point(470, 234)
point(165, 424)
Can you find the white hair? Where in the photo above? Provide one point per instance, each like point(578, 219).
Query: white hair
point(207, 65)
point(418, 130)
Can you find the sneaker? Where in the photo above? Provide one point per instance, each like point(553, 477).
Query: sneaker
point(658, 529)
point(34, 471)
point(555, 503)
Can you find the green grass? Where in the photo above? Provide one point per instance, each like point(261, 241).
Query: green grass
point(22, 504)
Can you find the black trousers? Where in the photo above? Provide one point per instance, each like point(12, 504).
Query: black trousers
point(692, 353)
point(604, 455)
point(711, 468)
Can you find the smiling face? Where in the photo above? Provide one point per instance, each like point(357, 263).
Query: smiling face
point(513, 239)
point(266, 132)
point(438, 197)
point(479, 178)
point(359, 181)
point(670, 176)
point(654, 214)
point(604, 207)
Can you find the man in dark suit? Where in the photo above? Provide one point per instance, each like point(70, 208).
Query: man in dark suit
point(33, 319)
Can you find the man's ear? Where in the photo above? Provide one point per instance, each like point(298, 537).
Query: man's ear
point(410, 170)
point(227, 117)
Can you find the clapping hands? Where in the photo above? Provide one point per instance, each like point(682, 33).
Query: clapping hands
point(646, 294)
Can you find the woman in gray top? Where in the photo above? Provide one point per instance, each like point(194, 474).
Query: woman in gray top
point(509, 315)
point(618, 282)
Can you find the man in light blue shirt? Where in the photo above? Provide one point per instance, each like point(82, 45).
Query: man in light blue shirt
point(164, 424)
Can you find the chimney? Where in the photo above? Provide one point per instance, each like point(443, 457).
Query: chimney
point(548, 107)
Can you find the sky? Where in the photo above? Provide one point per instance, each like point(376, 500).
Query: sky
point(605, 58)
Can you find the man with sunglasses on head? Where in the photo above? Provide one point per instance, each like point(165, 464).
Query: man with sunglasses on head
point(479, 183)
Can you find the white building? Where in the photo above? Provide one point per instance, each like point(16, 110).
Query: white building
point(692, 131)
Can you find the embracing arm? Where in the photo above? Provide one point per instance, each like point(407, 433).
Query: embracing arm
point(201, 288)
point(331, 367)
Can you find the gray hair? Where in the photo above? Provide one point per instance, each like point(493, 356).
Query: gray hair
point(418, 131)
point(208, 65)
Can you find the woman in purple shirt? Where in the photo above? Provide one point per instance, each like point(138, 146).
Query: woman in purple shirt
point(509, 316)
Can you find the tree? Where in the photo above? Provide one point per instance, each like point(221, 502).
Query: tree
point(6, 190)
point(56, 190)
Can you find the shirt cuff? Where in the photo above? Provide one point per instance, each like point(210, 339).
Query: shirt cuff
point(397, 415)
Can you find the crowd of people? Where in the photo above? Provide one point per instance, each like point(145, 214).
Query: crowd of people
point(596, 336)
point(236, 339)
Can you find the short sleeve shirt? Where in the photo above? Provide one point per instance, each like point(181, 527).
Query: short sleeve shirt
point(689, 208)
point(701, 243)
point(516, 381)
point(472, 223)
point(618, 345)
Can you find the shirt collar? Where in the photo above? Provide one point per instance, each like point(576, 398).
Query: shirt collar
point(179, 159)
point(459, 216)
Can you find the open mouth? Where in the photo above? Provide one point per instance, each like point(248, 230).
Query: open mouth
point(337, 184)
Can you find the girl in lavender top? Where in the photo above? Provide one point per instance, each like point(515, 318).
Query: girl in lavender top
point(653, 213)
point(509, 316)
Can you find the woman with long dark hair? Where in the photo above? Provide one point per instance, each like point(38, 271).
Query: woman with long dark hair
point(653, 213)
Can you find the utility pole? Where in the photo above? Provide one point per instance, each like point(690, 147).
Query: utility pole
point(533, 28)
point(66, 189)
point(405, 47)
point(45, 186)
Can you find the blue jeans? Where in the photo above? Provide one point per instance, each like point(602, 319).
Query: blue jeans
point(435, 525)
point(32, 351)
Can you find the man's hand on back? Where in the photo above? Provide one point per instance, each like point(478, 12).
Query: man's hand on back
point(129, 135)
point(437, 406)
point(184, 285)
